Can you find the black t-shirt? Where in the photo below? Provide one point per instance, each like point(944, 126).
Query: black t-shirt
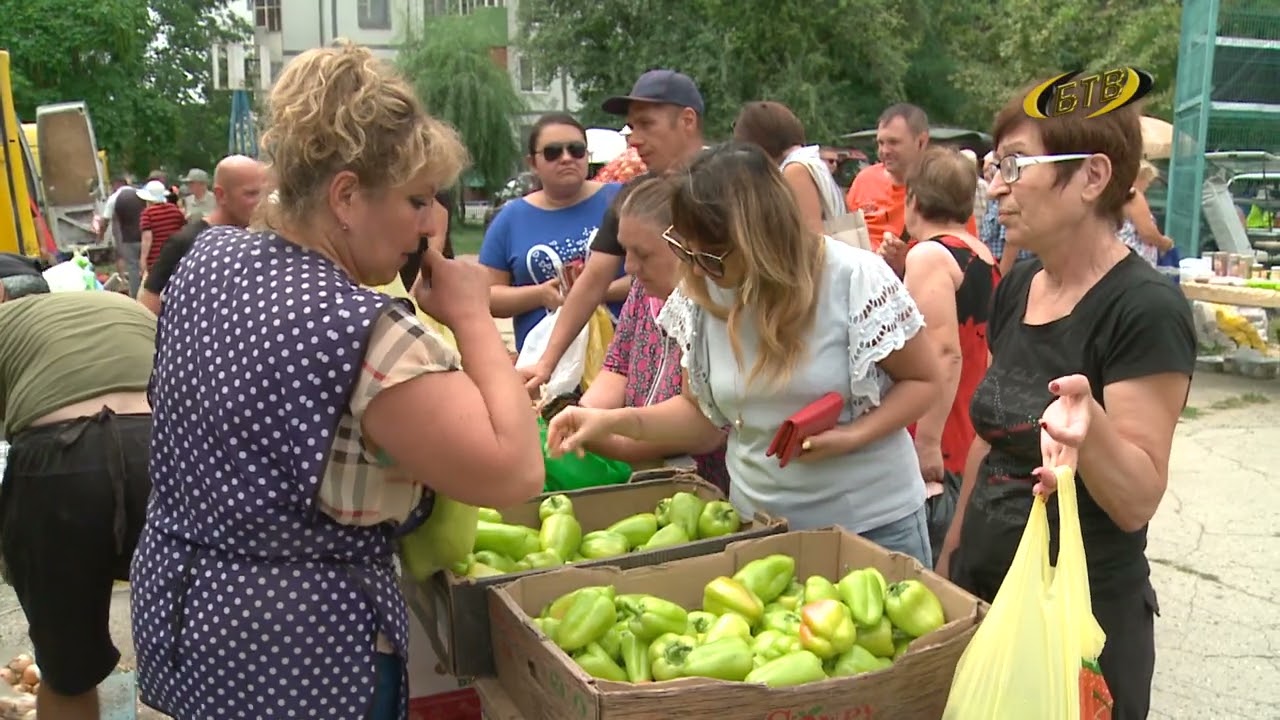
point(1133, 323)
point(409, 271)
point(606, 240)
point(126, 214)
point(171, 253)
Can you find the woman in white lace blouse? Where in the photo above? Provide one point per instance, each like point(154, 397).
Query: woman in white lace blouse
point(771, 318)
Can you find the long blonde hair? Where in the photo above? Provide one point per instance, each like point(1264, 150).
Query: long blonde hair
point(733, 199)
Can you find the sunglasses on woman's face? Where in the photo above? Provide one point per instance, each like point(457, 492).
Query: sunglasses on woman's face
point(551, 152)
point(712, 265)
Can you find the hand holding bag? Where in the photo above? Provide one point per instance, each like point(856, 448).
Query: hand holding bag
point(817, 417)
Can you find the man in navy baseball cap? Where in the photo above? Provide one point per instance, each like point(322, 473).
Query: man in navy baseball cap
point(664, 111)
point(662, 87)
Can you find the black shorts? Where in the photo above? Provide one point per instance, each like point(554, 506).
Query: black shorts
point(71, 507)
point(1128, 659)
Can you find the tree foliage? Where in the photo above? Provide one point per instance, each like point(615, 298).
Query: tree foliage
point(455, 76)
point(142, 69)
point(838, 63)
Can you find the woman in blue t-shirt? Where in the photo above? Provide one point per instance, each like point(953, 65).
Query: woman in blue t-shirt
point(537, 235)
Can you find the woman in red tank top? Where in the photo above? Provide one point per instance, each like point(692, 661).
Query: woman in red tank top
point(951, 275)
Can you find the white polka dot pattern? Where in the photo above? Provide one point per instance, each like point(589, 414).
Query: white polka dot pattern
point(247, 602)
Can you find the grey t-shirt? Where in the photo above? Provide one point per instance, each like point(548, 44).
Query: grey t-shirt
point(863, 314)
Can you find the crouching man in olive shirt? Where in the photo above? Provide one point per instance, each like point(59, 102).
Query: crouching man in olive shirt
point(74, 369)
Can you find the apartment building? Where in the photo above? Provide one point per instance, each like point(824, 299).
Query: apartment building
point(286, 28)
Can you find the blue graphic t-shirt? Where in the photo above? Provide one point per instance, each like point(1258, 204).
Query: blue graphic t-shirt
point(531, 243)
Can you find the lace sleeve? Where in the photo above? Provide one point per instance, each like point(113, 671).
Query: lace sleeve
point(882, 318)
point(680, 319)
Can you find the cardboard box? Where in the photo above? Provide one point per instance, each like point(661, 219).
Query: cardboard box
point(495, 703)
point(454, 609)
point(548, 685)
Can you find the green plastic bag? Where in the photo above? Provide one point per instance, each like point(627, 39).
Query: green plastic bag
point(570, 472)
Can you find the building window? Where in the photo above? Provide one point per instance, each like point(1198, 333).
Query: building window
point(466, 7)
point(266, 15)
point(527, 73)
point(373, 14)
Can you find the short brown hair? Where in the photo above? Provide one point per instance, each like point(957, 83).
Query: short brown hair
point(1117, 134)
point(943, 185)
point(650, 200)
point(770, 125)
point(912, 115)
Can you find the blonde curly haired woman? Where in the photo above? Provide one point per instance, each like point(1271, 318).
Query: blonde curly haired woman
point(302, 420)
point(772, 317)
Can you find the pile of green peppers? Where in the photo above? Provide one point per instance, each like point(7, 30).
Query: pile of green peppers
point(762, 625)
point(502, 548)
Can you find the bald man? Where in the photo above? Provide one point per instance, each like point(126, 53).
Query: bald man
point(237, 188)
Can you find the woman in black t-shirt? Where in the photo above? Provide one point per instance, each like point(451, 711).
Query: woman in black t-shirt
point(1089, 342)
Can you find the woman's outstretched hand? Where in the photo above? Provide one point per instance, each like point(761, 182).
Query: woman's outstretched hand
point(575, 426)
point(1063, 428)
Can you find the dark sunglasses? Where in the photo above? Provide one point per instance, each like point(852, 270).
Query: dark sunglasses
point(551, 152)
point(712, 265)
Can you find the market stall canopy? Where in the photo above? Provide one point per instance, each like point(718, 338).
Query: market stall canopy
point(604, 144)
point(1157, 138)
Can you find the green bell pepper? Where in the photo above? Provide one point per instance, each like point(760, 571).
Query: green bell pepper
point(726, 595)
point(728, 625)
point(728, 658)
point(900, 648)
point(611, 641)
point(772, 644)
point(561, 533)
point(628, 605)
point(489, 515)
point(767, 577)
point(817, 587)
point(561, 605)
point(667, 657)
point(717, 519)
point(669, 536)
point(637, 529)
point(587, 620)
point(877, 639)
point(699, 623)
point(914, 608)
point(663, 512)
point(598, 664)
point(792, 598)
point(555, 505)
point(549, 627)
point(796, 668)
point(603, 544)
point(659, 646)
point(496, 561)
point(685, 510)
point(656, 617)
point(543, 559)
point(826, 629)
point(522, 565)
point(462, 566)
point(635, 658)
point(480, 570)
point(509, 540)
point(855, 661)
point(784, 621)
point(864, 592)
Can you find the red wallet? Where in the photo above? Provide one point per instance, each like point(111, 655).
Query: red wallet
point(817, 417)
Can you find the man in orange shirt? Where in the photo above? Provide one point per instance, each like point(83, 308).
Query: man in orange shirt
point(880, 191)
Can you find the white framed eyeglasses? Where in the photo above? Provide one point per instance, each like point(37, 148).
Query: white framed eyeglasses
point(1011, 165)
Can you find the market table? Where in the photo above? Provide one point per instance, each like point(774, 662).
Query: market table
point(1232, 295)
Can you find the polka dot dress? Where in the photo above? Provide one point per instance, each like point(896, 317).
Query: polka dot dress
point(247, 602)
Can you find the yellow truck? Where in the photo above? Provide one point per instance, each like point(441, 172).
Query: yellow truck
point(19, 214)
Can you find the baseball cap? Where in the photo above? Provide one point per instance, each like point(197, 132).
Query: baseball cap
point(196, 175)
point(667, 87)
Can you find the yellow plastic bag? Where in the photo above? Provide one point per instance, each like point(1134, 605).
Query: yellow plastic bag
point(1034, 656)
point(600, 335)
